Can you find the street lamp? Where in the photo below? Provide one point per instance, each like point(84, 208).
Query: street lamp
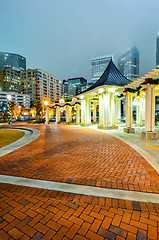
point(46, 104)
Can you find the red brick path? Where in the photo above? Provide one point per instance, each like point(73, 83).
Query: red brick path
point(81, 156)
point(29, 213)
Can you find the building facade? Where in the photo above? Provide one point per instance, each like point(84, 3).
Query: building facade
point(73, 87)
point(128, 63)
point(15, 61)
point(99, 64)
point(157, 50)
point(41, 85)
point(10, 80)
point(19, 99)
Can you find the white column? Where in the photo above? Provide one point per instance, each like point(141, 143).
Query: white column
point(129, 128)
point(108, 109)
point(47, 115)
point(117, 110)
point(88, 111)
point(57, 114)
point(77, 114)
point(67, 114)
point(112, 109)
point(150, 113)
point(150, 108)
point(143, 110)
point(153, 107)
point(70, 114)
point(105, 109)
point(83, 113)
point(94, 112)
point(129, 110)
point(101, 110)
point(138, 109)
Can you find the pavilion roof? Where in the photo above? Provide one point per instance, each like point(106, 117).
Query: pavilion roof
point(111, 76)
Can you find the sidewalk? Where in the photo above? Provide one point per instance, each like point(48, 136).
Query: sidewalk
point(150, 146)
point(83, 156)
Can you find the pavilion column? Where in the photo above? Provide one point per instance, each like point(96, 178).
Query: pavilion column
point(105, 110)
point(88, 111)
point(118, 110)
point(109, 108)
point(129, 128)
point(47, 115)
point(70, 114)
point(150, 113)
point(138, 114)
point(57, 114)
point(67, 114)
point(100, 110)
point(83, 111)
point(112, 109)
point(77, 114)
point(143, 111)
point(94, 113)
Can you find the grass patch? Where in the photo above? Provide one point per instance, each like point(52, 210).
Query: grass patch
point(9, 136)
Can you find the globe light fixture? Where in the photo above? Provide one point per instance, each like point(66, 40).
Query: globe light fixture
point(61, 101)
point(46, 103)
point(9, 97)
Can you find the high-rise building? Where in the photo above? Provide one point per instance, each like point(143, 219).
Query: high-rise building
point(157, 50)
point(17, 98)
point(15, 61)
point(10, 80)
point(73, 87)
point(99, 64)
point(128, 63)
point(41, 85)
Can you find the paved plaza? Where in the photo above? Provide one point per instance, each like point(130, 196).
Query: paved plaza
point(81, 156)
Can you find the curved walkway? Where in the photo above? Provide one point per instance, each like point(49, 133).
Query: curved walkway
point(81, 156)
point(84, 157)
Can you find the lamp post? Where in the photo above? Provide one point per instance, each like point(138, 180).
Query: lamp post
point(46, 104)
point(9, 97)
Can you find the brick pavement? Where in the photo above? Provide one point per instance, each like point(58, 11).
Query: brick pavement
point(29, 213)
point(81, 156)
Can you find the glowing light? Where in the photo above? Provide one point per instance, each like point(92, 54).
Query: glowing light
point(61, 100)
point(74, 99)
point(9, 97)
point(101, 90)
point(112, 90)
point(82, 96)
point(46, 103)
point(135, 103)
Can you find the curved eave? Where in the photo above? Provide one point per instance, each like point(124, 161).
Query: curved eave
point(105, 87)
point(64, 104)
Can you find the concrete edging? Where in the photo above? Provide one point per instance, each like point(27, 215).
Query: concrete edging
point(30, 134)
point(81, 189)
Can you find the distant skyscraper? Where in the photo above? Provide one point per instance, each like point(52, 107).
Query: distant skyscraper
point(99, 64)
point(128, 63)
point(16, 61)
point(157, 50)
point(73, 87)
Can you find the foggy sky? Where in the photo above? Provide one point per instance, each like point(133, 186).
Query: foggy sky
point(61, 36)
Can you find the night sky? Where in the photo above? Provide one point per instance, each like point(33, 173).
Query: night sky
point(61, 36)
